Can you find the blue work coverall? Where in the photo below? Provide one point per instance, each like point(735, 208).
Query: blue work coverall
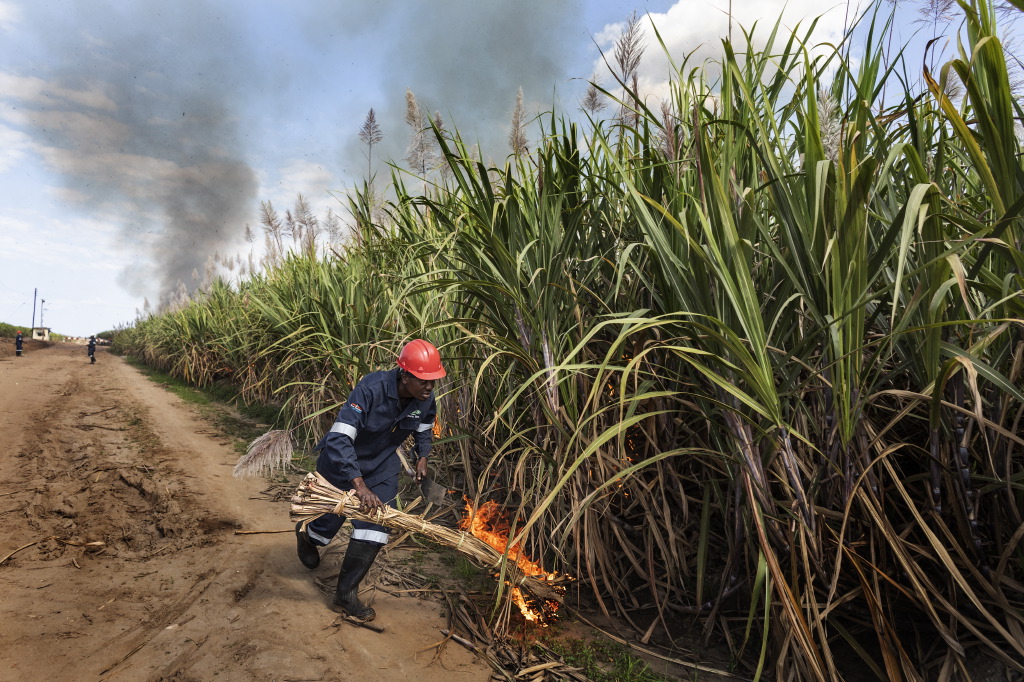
point(362, 442)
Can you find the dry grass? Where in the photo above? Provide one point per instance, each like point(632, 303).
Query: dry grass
point(268, 454)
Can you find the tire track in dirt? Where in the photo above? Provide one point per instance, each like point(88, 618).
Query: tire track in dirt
point(102, 476)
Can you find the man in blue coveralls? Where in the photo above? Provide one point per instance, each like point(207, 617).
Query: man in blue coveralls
point(92, 350)
point(358, 453)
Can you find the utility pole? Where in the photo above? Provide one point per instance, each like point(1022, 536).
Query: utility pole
point(34, 293)
point(42, 305)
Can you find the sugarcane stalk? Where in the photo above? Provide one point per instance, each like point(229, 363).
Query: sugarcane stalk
point(316, 496)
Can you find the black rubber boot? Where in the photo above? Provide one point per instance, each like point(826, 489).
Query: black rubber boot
point(358, 558)
point(309, 555)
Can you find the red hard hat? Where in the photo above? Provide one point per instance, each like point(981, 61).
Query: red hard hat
point(421, 359)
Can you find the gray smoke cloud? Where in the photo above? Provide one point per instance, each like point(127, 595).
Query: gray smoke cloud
point(464, 59)
point(137, 122)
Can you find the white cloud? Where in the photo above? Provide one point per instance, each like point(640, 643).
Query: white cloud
point(56, 242)
point(307, 178)
point(10, 14)
point(32, 90)
point(137, 175)
point(300, 173)
point(46, 253)
point(697, 28)
point(86, 131)
point(15, 145)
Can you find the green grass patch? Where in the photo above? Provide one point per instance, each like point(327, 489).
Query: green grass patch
point(463, 570)
point(221, 392)
point(226, 392)
point(220, 406)
point(445, 567)
point(176, 386)
point(603, 661)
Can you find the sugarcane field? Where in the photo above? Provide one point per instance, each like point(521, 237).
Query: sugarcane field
point(712, 371)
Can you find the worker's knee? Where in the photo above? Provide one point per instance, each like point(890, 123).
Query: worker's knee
point(322, 529)
point(371, 533)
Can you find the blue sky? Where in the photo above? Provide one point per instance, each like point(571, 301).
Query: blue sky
point(139, 137)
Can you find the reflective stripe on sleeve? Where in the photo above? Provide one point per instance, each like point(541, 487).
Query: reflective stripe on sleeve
point(376, 536)
point(344, 429)
point(425, 427)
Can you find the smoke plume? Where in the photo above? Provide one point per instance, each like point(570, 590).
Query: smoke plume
point(138, 123)
point(466, 60)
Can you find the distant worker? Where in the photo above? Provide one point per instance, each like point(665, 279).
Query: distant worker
point(358, 453)
point(17, 343)
point(92, 349)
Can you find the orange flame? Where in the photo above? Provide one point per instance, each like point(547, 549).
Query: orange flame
point(490, 524)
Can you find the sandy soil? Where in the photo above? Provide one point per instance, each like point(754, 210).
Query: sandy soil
point(119, 507)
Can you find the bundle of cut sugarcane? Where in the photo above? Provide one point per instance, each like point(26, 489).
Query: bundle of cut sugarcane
point(316, 497)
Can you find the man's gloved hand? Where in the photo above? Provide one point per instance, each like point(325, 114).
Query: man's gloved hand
point(368, 500)
point(421, 469)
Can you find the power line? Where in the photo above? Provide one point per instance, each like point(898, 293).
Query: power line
point(4, 285)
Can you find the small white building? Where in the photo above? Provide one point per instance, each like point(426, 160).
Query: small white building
point(41, 333)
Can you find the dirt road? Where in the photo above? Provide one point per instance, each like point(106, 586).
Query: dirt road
point(118, 504)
